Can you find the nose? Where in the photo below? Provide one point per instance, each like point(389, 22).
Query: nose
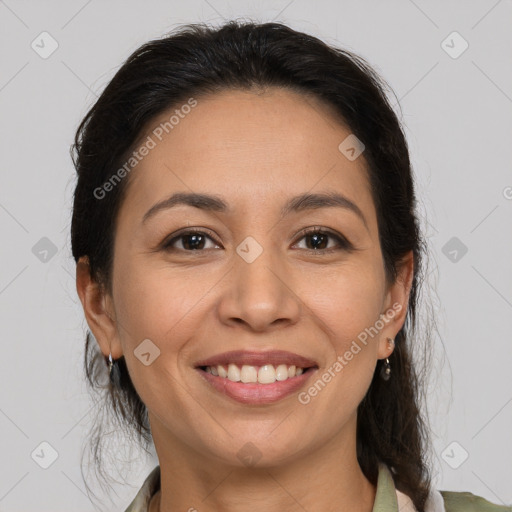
point(260, 295)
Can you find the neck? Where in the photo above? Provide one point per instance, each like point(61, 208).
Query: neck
point(328, 478)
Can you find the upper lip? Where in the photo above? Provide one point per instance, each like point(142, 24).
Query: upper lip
point(254, 358)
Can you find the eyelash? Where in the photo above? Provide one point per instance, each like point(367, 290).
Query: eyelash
point(343, 243)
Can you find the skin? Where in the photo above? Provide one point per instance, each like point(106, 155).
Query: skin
point(255, 150)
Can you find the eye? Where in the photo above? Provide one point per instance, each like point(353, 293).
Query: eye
point(191, 240)
point(319, 238)
point(195, 240)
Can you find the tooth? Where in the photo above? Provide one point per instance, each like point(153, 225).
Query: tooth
point(233, 373)
point(266, 374)
point(248, 374)
point(282, 372)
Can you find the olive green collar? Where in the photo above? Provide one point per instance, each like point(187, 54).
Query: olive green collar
point(385, 497)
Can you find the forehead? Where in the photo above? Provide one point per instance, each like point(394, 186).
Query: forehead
point(249, 147)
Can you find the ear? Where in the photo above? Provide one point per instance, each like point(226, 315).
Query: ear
point(395, 305)
point(99, 310)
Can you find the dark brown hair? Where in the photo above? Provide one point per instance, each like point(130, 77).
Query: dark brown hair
point(197, 60)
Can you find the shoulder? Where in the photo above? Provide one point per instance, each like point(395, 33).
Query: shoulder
point(468, 502)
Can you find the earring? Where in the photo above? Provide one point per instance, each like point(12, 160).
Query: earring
point(113, 370)
point(385, 372)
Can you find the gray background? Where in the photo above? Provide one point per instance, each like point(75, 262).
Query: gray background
point(457, 117)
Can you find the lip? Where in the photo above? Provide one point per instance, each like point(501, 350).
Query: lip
point(255, 393)
point(258, 358)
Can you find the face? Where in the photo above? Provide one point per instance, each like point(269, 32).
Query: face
point(191, 283)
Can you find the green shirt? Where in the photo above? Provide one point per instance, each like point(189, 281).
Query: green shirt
point(387, 497)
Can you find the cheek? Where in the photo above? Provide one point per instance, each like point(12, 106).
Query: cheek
point(346, 308)
point(168, 309)
point(163, 308)
point(347, 301)
point(156, 304)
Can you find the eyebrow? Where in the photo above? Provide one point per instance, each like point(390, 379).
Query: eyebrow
point(298, 203)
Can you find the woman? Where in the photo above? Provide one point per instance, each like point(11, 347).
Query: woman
point(249, 262)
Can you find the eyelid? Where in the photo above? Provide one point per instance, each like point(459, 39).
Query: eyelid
point(343, 244)
point(169, 241)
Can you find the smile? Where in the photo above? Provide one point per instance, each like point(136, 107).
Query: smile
point(256, 393)
point(256, 377)
point(265, 374)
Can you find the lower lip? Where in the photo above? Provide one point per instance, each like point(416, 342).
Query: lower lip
point(255, 393)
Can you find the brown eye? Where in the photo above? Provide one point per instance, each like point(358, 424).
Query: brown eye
point(319, 240)
point(191, 240)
